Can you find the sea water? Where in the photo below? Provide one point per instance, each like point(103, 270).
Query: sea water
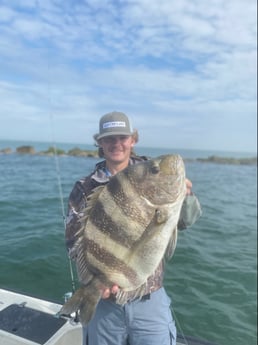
point(211, 277)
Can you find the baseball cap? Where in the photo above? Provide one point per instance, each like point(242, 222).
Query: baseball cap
point(114, 123)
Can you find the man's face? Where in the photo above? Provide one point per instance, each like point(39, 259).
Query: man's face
point(117, 148)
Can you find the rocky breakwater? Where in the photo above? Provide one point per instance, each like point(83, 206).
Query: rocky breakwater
point(77, 152)
point(51, 151)
point(228, 160)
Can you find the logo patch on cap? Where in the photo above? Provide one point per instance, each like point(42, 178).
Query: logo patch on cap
point(113, 124)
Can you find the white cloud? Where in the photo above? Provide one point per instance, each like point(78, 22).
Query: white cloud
point(191, 64)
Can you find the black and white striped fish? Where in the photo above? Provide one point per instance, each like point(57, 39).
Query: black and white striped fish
point(130, 224)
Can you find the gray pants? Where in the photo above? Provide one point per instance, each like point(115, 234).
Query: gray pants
point(146, 321)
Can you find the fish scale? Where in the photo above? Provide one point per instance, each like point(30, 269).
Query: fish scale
point(127, 227)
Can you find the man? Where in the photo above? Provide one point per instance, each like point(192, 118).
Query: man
point(141, 321)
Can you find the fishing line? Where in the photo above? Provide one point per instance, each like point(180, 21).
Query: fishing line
point(58, 174)
point(57, 165)
point(178, 325)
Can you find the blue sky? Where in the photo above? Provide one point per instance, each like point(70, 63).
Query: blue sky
point(184, 71)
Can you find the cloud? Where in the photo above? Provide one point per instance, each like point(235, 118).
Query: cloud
point(188, 67)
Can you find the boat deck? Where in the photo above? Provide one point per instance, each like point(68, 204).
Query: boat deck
point(26, 320)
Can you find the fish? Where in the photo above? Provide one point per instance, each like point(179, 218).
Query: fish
point(129, 226)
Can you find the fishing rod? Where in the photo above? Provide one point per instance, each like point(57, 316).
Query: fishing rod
point(60, 189)
point(179, 325)
point(67, 295)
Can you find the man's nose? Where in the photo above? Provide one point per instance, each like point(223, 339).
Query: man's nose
point(115, 140)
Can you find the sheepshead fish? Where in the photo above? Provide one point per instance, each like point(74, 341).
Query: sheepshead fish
point(129, 226)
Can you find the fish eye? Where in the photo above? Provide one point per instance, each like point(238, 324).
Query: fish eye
point(155, 169)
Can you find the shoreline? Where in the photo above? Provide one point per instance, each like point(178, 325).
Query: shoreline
point(77, 152)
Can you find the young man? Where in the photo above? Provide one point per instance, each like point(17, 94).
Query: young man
point(141, 321)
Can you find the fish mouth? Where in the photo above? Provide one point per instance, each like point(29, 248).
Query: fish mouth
point(171, 197)
point(171, 165)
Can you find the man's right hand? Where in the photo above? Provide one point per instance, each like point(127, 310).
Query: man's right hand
point(106, 292)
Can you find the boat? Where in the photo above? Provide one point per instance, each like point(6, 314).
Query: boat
point(28, 320)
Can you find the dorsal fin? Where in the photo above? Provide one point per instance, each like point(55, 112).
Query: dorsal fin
point(91, 201)
point(171, 245)
point(82, 263)
point(92, 198)
point(124, 296)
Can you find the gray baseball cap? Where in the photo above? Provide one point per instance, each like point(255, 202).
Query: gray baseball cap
point(114, 123)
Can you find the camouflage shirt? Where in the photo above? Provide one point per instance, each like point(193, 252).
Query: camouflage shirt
point(190, 212)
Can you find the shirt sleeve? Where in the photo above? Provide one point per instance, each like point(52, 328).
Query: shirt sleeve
point(190, 212)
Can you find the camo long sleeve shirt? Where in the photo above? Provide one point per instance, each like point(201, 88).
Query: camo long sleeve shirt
point(190, 212)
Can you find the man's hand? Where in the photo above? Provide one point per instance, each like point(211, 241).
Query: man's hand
point(188, 186)
point(107, 292)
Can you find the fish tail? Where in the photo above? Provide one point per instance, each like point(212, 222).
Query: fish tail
point(84, 300)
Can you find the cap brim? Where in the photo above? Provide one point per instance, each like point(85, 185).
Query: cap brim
point(98, 136)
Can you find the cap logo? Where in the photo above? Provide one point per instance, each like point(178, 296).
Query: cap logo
point(114, 124)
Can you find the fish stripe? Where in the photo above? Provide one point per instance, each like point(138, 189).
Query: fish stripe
point(107, 259)
point(123, 230)
point(104, 223)
point(122, 191)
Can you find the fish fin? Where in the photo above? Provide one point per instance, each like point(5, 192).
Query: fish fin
point(171, 245)
point(84, 273)
point(79, 250)
point(123, 296)
point(90, 203)
point(73, 304)
point(84, 300)
point(93, 196)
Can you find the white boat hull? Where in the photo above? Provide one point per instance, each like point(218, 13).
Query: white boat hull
point(26, 320)
point(17, 309)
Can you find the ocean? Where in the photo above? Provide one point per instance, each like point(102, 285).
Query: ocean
point(212, 277)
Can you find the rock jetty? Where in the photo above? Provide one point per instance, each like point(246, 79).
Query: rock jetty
point(77, 152)
point(225, 160)
point(51, 151)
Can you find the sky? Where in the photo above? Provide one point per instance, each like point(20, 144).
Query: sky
point(184, 71)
